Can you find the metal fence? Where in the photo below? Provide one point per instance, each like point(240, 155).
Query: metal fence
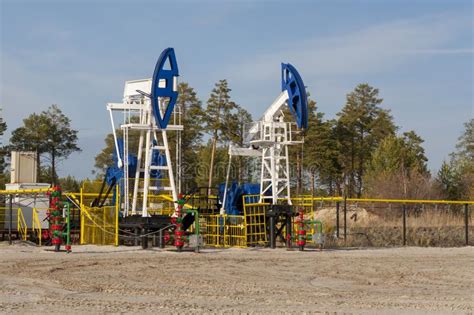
point(99, 226)
point(391, 222)
point(224, 230)
point(345, 221)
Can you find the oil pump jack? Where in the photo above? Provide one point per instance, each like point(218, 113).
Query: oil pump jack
point(148, 112)
point(269, 139)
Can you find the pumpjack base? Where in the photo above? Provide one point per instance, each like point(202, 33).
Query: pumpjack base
point(280, 217)
point(138, 229)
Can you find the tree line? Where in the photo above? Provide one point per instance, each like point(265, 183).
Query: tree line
point(359, 152)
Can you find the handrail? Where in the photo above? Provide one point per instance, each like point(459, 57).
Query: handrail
point(36, 225)
point(21, 224)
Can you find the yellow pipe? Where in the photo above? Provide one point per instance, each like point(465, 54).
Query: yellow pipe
point(429, 201)
point(24, 191)
point(82, 218)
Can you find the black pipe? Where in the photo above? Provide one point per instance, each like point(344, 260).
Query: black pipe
point(272, 232)
point(109, 189)
point(96, 201)
point(337, 219)
point(144, 238)
point(345, 219)
point(161, 238)
point(288, 230)
point(404, 225)
point(466, 223)
point(10, 226)
point(137, 235)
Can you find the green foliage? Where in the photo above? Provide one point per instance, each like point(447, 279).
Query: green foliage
point(449, 180)
point(220, 165)
point(224, 121)
point(396, 154)
point(220, 112)
point(362, 124)
point(465, 145)
point(191, 137)
point(3, 128)
point(105, 157)
point(321, 153)
point(192, 118)
point(48, 132)
point(69, 184)
point(398, 168)
point(456, 177)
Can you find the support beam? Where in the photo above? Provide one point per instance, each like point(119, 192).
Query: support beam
point(10, 225)
point(466, 223)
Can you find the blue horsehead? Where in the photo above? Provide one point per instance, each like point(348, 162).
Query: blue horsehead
point(298, 100)
point(167, 91)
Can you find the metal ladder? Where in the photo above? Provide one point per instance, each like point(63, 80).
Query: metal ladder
point(161, 145)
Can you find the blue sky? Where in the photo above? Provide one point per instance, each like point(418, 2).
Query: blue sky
point(79, 53)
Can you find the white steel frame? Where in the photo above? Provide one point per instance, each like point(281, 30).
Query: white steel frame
point(135, 104)
point(269, 138)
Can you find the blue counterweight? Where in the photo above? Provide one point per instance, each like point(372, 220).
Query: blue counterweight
point(163, 86)
point(297, 98)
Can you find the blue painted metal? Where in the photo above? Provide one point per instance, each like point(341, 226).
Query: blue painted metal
point(233, 204)
point(298, 100)
point(166, 92)
point(114, 174)
point(157, 159)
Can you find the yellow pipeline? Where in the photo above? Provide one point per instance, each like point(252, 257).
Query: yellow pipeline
point(428, 201)
point(24, 191)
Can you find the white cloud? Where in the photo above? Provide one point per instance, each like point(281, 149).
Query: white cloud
point(442, 51)
point(370, 50)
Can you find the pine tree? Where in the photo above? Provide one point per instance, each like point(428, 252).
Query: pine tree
point(3, 151)
point(362, 125)
point(398, 168)
point(321, 154)
point(48, 132)
point(192, 119)
point(449, 181)
point(456, 177)
point(218, 120)
point(236, 125)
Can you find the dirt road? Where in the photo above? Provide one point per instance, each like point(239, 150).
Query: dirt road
point(262, 281)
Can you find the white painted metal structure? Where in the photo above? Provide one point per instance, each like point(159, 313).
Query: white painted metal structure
point(269, 139)
point(152, 138)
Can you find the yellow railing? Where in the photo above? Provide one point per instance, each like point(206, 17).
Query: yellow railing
point(255, 219)
point(99, 226)
point(22, 227)
point(305, 198)
point(3, 217)
point(36, 225)
point(225, 230)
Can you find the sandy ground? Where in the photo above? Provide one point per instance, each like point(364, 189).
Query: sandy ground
point(96, 279)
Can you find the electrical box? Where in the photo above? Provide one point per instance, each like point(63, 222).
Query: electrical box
point(23, 167)
point(196, 240)
point(318, 238)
